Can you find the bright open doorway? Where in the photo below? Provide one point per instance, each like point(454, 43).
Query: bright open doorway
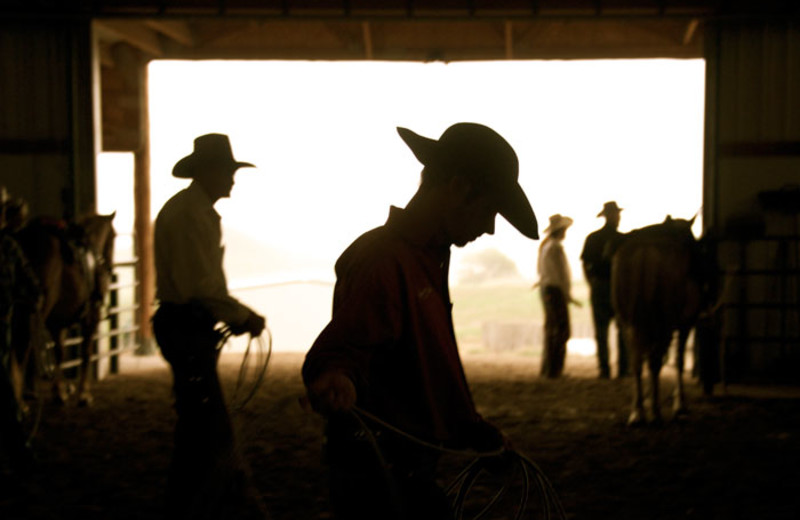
point(330, 163)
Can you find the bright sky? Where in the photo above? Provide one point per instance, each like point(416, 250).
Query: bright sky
point(330, 163)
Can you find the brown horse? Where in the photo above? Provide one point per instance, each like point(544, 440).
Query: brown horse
point(656, 290)
point(74, 265)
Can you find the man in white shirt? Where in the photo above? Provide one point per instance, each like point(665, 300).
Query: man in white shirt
point(555, 281)
point(193, 298)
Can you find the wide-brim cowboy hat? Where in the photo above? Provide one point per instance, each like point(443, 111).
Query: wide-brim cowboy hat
point(609, 208)
point(210, 151)
point(478, 150)
point(557, 222)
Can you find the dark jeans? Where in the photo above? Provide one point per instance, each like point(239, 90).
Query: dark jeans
point(204, 461)
point(396, 481)
point(556, 331)
point(602, 314)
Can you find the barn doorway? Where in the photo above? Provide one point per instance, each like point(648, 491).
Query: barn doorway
point(329, 164)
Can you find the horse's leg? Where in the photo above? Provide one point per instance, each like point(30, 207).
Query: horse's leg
point(635, 351)
point(88, 328)
point(60, 390)
point(679, 400)
point(22, 362)
point(17, 374)
point(655, 361)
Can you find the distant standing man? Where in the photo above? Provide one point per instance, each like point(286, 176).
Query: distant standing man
point(597, 269)
point(555, 286)
point(390, 348)
point(193, 297)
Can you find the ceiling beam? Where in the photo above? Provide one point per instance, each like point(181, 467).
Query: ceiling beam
point(134, 33)
point(691, 28)
point(106, 58)
point(176, 30)
point(509, 34)
point(367, 31)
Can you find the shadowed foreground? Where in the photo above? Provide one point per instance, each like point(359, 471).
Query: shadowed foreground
point(734, 457)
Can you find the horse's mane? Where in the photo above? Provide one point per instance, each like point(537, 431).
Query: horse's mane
point(91, 230)
point(97, 228)
point(99, 234)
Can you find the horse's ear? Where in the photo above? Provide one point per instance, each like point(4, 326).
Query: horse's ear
point(112, 215)
point(691, 221)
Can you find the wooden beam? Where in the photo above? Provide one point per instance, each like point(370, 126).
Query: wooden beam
point(691, 28)
point(175, 30)
point(142, 221)
point(759, 148)
point(54, 146)
point(367, 31)
point(509, 40)
point(106, 57)
point(134, 33)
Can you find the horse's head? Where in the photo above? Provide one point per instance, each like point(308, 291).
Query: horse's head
point(100, 236)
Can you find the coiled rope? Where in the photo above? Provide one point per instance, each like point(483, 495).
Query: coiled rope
point(249, 379)
point(460, 487)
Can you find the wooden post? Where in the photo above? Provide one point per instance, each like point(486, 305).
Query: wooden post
point(84, 123)
point(509, 36)
point(366, 31)
point(143, 232)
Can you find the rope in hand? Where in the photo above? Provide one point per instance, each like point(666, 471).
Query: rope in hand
point(263, 352)
point(460, 487)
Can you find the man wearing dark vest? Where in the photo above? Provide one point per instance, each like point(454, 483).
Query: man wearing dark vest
point(193, 298)
point(390, 348)
point(597, 269)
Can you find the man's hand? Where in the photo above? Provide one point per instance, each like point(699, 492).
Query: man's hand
point(332, 392)
point(254, 324)
point(486, 437)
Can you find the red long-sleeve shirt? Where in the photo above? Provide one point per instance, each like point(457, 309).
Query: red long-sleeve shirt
point(392, 332)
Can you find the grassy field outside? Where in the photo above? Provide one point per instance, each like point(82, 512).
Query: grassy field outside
point(478, 308)
point(297, 312)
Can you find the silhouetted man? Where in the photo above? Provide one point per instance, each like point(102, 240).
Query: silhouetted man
point(596, 260)
point(555, 286)
point(193, 298)
point(390, 347)
point(18, 285)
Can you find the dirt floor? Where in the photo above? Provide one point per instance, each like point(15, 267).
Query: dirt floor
point(735, 456)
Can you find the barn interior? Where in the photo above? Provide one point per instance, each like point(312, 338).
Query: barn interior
point(74, 85)
point(76, 73)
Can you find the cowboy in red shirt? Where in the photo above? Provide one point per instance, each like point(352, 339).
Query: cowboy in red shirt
point(390, 347)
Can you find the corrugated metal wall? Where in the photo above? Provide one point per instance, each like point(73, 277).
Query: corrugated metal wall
point(752, 197)
point(47, 125)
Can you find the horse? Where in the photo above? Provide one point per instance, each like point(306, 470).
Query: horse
point(74, 265)
point(657, 289)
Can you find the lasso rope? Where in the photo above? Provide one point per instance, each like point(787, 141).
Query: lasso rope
point(460, 487)
point(263, 352)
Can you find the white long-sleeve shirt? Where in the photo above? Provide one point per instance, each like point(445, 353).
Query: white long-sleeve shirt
point(553, 267)
point(189, 253)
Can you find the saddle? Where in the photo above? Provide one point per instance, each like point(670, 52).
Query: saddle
point(74, 248)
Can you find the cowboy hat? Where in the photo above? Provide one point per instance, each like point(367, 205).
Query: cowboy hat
point(478, 150)
point(609, 207)
point(557, 222)
point(210, 150)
